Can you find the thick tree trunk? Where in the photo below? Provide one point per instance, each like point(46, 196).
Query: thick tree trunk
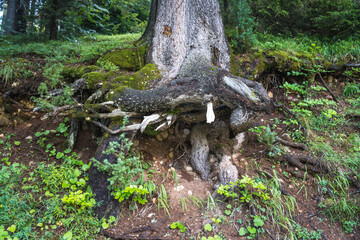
point(9, 19)
point(14, 21)
point(186, 41)
point(53, 25)
point(186, 33)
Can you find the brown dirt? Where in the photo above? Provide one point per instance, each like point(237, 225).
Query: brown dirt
point(156, 221)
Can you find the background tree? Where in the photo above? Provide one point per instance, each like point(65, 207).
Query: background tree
point(14, 19)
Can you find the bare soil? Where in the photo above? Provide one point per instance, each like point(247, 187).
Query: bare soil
point(152, 222)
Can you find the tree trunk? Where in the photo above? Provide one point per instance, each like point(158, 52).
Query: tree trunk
point(20, 21)
point(14, 21)
point(53, 25)
point(9, 19)
point(185, 33)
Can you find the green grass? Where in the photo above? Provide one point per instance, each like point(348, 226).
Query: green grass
point(79, 50)
point(338, 51)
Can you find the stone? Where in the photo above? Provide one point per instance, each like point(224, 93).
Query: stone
point(270, 94)
point(4, 121)
point(179, 188)
point(136, 143)
point(212, 159)
point(188, 168)
point(164, 134)
point(159, 138)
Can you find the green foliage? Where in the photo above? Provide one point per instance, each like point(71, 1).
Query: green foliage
point(325, 18)
point(126, 180)
point(178, 225)
point(65, 20)
point(109, 66)
point(12, 69)
point(268, 137)
point(303, 233)
point(208, 227)
point(247, 187)
point(240, 25)
point(337, 203)
point(351, 89)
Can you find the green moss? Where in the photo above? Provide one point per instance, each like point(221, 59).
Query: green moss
point(111, 73)
point(141, 79)
point(235, 65)
point(131, 59)
point(150, 130)
point(94, 78)
point(73, 73)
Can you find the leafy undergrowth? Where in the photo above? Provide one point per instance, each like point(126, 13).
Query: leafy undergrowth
point(44, 192)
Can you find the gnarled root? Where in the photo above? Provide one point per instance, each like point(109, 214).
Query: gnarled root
point(228, 172)
point(200, 151)
point(99, 183)
point(200, 146)
point(304, 163)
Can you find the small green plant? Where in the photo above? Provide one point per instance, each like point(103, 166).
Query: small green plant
point(216, 220)
point(79, 199)
point(106, 223)
point(248, 189)
point(178, 225)
point(215, 237)
point(163, 200)
point(268, 137)
point(109, 66)
point(208, 227)
point(133, 192)
point(294, 87)
point(228, 210)
point(351, 89)
point(303, 233)
point(126, 173)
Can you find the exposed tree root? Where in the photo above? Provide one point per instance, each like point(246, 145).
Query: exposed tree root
point(291, 144)
point(328, 89)
point(128, 235)
point(304, 163)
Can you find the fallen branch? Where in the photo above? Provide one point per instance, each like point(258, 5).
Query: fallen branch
point(58, 110)
point(133, 127)
point(127, 235)
point(328, 89)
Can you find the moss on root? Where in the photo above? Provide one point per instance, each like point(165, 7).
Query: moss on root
point(93, 79)
point(73, 73)
point(141, 79)
point(258, 63)
point(131, 59)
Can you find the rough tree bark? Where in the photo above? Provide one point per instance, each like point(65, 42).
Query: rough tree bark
point(14, 20)
point(186, 41)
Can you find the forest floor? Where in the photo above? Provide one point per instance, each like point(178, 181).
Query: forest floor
point(38, 172)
